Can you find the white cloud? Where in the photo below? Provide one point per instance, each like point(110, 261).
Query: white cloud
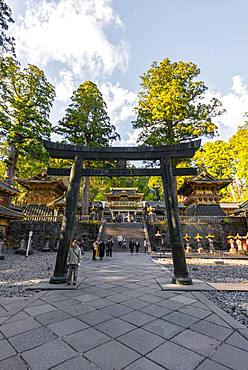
point(72, 32)
point(132, 138)
point(235, 103)
point(64, 85)
point(120, 103)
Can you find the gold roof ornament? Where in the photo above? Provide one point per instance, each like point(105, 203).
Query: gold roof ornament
point(187, 237)
point(210, 236)
point(150, 209)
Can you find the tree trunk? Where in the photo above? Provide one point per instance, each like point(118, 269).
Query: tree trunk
point(86, 196)
point(12, 163)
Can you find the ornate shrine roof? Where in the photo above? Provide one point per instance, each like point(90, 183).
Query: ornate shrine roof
point(202, 179)
point(120, 194)
point(43, 181)
point(7, 189)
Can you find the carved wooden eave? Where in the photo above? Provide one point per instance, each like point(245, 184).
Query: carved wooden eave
point(124, 194)
point(6, 189)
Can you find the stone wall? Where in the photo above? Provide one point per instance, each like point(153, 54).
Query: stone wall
point(221, 230)
point(44, 231)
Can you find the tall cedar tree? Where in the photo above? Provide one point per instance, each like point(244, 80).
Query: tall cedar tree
point(171, 107)
point(87, 123)
point(7, 43)
point(26, 98)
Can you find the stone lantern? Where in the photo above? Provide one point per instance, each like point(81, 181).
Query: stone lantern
point(199, 238)
point(231, 240)
point(187, 238)
point(210, 238)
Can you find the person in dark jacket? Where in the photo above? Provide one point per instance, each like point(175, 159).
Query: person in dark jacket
point(101, 249)
point(110, 245)
point(131, 245)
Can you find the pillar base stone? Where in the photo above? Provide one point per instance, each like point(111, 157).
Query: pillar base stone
point(186, 280)
point(58, 279)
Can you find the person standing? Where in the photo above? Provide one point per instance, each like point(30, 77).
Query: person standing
point(124, 243)
point(120, 240)
point(81, 245)
point(145, 245)
point(94, 249)
point(73, 261)
point(101, 249)
point(137, 245)
point(110, 245)
point(131, 245)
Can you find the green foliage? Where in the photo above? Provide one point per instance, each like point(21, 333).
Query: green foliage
point(227, 160)
point(7, 43)
point(217, 158)
point(86, 121)
point(26, 98)
point(171, 107)
point(239, 148)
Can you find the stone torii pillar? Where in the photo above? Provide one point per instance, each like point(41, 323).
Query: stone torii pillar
point(181, 275)
point(68, 222)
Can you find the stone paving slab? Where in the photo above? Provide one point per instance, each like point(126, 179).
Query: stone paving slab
point(112, 355)
point(175, 357)
point(31, 339)
point(120, 318)
point(230, 287)
point(197, 285)
point(48, 355)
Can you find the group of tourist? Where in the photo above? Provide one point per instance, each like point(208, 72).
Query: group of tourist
point(99, 249)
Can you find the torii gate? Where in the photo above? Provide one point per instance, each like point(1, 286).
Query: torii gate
point(164, 154)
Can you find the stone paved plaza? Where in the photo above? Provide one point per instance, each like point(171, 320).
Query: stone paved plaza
point(119, 318)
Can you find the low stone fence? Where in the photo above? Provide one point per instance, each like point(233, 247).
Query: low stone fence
point(220, 227)
point(44, 231)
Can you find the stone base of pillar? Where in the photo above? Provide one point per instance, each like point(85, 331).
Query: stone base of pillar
point(182, 280)
point(59, 279)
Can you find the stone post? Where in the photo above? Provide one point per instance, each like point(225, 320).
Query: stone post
point(68, 222)
point(181, 275)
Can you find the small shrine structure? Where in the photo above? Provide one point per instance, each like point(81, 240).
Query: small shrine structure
point(7, 211)
point(200, 195)
point(42, 189)
point(125, 204)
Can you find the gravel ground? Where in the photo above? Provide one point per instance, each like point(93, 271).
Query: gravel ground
point(17, 272)
point(233, 271)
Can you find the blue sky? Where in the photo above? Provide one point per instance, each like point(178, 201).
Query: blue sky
point(114, 42)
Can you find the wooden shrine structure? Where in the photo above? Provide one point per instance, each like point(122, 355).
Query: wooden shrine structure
point(164, 154)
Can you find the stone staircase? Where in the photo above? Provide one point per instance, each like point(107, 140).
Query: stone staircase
point(128, 230)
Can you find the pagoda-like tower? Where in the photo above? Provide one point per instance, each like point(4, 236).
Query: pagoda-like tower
point(200, 194)
point(42, 189)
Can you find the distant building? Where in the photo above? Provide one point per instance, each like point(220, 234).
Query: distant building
point(7, 210)
point(124, 204)
point(200, 195)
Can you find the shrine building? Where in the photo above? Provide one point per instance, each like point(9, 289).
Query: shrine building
point(200, 195)
point(124, 204)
